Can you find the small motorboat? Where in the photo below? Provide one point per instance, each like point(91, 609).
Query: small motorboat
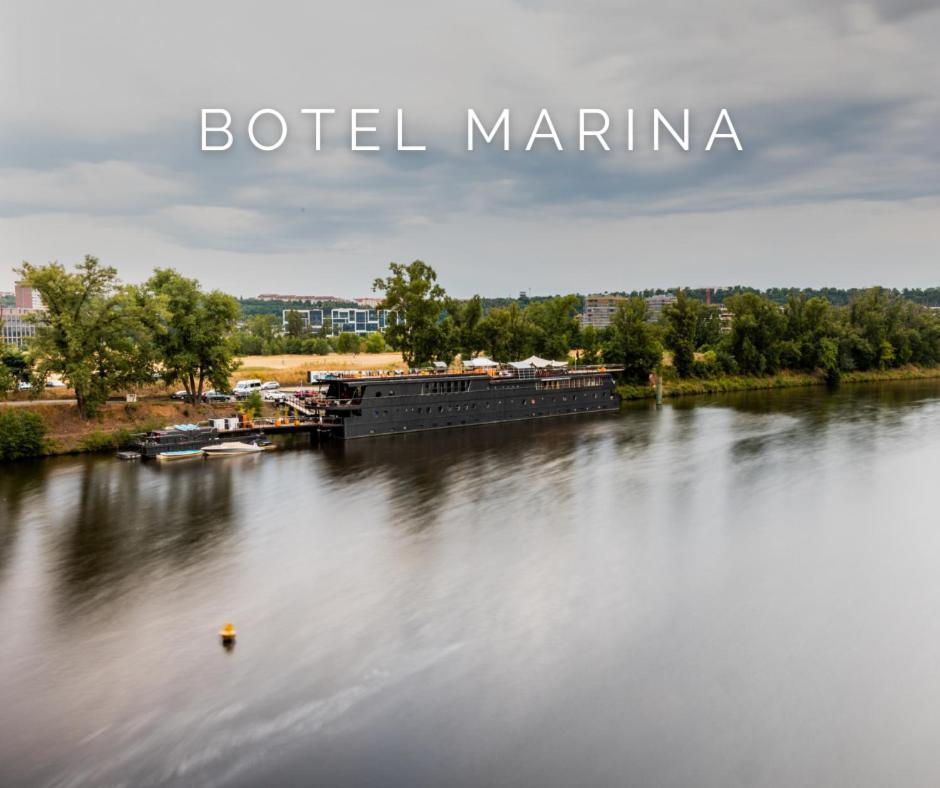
point(265, 443)
point(181, 454)
point(231, 449)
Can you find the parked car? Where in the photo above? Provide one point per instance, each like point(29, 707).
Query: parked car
point(273, 396)
point(270, 385)
point(23, 386)
point(244, 387)
point(180, 395)
point(52, 383)
point(216, 396)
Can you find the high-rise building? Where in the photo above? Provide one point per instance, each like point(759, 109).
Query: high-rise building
point(599, 309)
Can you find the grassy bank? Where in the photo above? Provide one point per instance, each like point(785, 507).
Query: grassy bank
point(66, 433)
point(728, 383)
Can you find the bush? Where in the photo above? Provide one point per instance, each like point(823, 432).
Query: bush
point(707, 366)
point(348, 343)
point(375, 343)
point(99, 440)
point(22, 434)
point(317, 346)
point(253, 405)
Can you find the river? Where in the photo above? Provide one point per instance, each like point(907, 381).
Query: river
point(735, 590)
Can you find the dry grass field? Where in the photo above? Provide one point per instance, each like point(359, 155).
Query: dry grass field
point(291, 370)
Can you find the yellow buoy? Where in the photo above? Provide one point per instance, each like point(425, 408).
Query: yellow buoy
point(227, 633)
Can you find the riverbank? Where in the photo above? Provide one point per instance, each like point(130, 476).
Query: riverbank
point(67, 433)
point(729, 383)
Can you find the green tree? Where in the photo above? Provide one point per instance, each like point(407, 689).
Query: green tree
point(461, 327)
point(682, 322)
point(416, 302)
point(756, 332)
point(632, 341)
point(295, 326)
point(96, 333)
point(590, 346)
point(507, 334)
point(348, 342)
point(555, 328)
point(193, 335)
point(375, 343)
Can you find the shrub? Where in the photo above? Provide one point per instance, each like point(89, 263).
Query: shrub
point(318, 346)
point(22, 434)
point(375, 343)
point(253, 405)
point(99, 440)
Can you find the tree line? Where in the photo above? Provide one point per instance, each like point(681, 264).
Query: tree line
point(876, 329)
point(102, 336)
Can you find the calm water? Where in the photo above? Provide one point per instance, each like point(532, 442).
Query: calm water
point(735, 591)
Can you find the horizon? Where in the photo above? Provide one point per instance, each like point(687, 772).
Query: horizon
point(294, 290)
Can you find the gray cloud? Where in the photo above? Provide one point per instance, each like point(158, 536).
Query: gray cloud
point(836, 106)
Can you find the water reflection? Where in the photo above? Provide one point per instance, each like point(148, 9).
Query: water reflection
point(423, 472)
point(128, 519)
point(700, 595)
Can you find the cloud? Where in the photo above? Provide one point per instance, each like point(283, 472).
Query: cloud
point(835, 103)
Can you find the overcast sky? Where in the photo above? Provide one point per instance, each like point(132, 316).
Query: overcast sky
point(836, 104)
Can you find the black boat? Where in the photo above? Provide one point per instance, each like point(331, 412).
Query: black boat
point(182, 437)
point(360, 407)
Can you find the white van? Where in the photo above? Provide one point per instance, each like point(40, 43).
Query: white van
point(244, 387)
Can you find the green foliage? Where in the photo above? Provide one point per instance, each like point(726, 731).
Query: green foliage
point(192, 331)
point(462, 327)
point(682, 320)
point(14, 368)
point(22, 434)
point(317, 346)
point(416, 302)
point(253, 405)
point(101, 440)
point(632, 341)
point(348, 342)
point(755, 334)
point(553, 325)
point(96, 333)
point(261, 336)
point(295, 325)
point(507, 334)
point(590, 350)
point(375, 343)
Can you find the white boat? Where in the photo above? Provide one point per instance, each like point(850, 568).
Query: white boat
point(181, 454)
point(231, 449)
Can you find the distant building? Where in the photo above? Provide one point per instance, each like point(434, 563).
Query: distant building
point(655, 305)
point(300, 299)
point(27, 298)
point(370, 302)
point(355, 321)
point(599, 309)
point(17, 326)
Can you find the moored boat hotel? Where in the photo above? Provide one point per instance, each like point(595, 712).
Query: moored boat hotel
point(487, 394)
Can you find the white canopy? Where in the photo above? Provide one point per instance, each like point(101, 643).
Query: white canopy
point(538, 363)
point(480, 363)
